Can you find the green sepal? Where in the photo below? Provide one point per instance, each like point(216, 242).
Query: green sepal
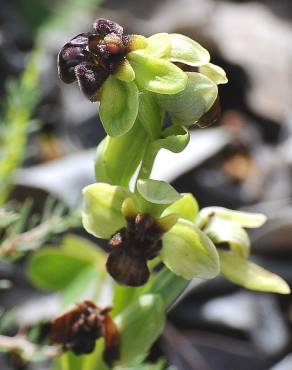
point(189, 253)
point(187, 51)
point(249, 275)
point(119, 103)
point(118, 158)
point(102, 215)
point(157, 75)
point(221, 231)
point(174, 138)
point(157, 192)
point(214, 73)
point(243, 219)
point(140, 325)
point(187, 208)
point(189, 105)
point(125, 72)
point(155, 196)
point(159, 45)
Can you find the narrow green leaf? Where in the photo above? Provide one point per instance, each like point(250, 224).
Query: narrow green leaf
point(102, 215)
point(189, 253)
point(214, 72)
point(119, 104)
point(187, 51)
point(53, 269)
point(221, 231)
point(157, 75)
point(158, 192)
point(243, 219)
point(189, 105)
point(140, 324)
point(118, 158)
point(186, 207)
point(249, 275)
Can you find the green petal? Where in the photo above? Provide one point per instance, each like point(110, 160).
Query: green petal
point(158, 192)
point(243, 219)
point(221, 231)
point(214, 72)
point(157, 75)
point(249, 275)
point(186, 208)
point(118, 158)
point(159, 45)
point(102, 215)
point(189, 253)
point(125, 72)
point(118, 106)
point(188, 106)
point(187, 51)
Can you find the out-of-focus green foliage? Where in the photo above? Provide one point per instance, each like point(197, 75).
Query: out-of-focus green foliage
point(20, 102)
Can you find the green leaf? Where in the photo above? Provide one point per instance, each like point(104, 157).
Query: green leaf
point(83, 249)
point(186, 207)
point(243, 219)
point(189, 105)
point(220, 231)
point(214, 72)
point(54, 269)
point(157, 75)
point(150, 114)
point(249, 275)
point(140, 325)
point(187, 51)
point(167, 284)
point(189, 253)
point(102, 215)
point(119, 104)
point(118, 158)
point(159, 45)
point(158, 192)
point(82, 286)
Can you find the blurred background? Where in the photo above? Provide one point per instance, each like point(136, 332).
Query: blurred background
point(48, 135)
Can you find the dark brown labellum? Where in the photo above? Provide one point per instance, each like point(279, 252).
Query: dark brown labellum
point(78, 329)
point(104, 26)
point(133, 246)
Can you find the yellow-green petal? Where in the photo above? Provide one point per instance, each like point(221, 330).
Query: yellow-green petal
point(214, 72)
point(187, 51)
point(243, 219)
point(125, 72)
point(222, 231)
point(102, 215)
point(189, 253)
point(159, 45)
point(187, 208)
point(249, 275)
point(157, 75)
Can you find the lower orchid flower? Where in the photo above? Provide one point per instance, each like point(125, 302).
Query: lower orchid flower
point(154, 221)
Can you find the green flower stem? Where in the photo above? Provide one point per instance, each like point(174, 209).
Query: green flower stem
point(147, 162)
